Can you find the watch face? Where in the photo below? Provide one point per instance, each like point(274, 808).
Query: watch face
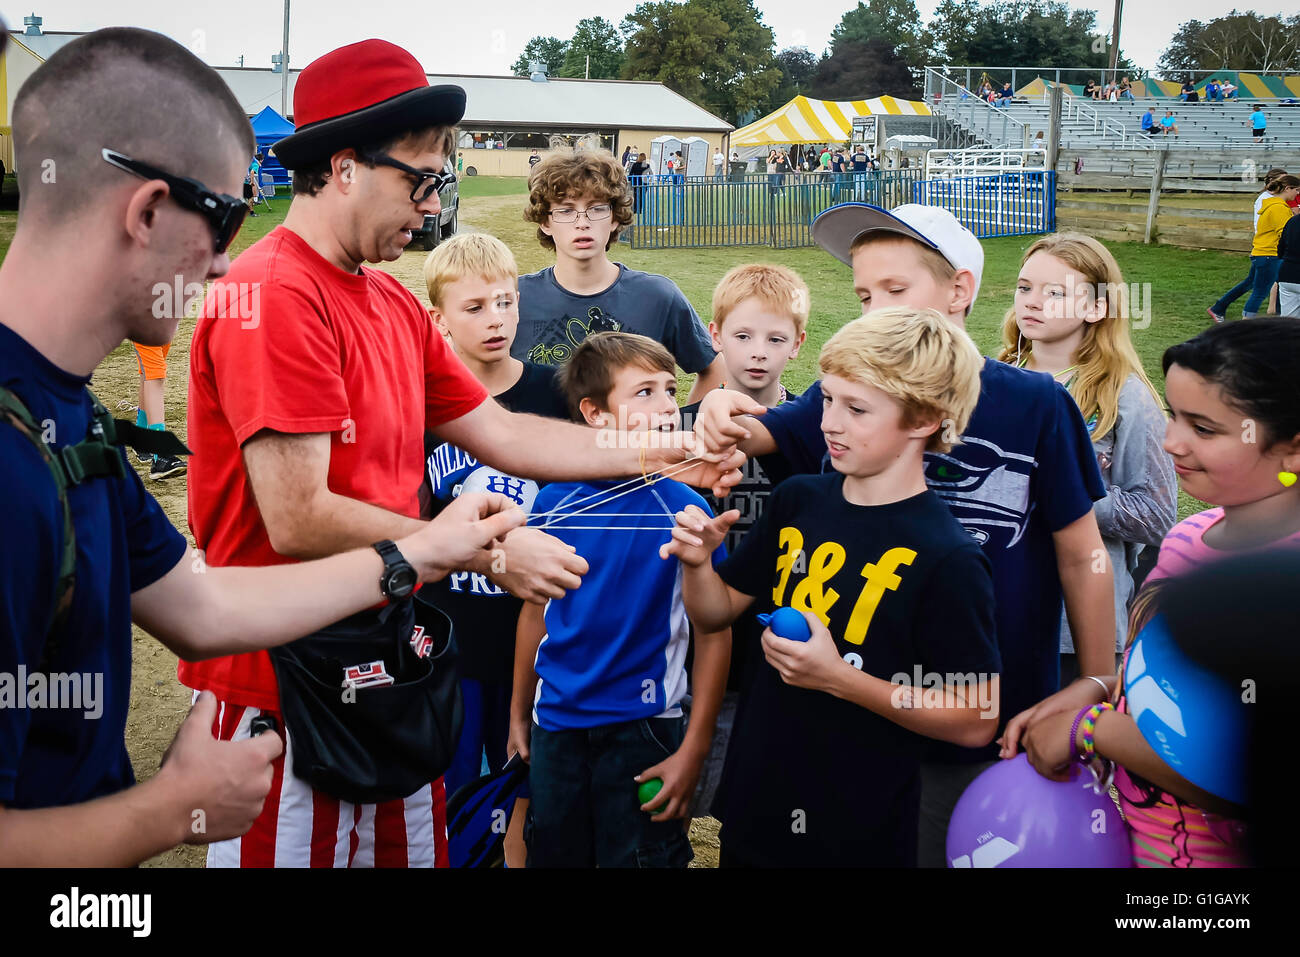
point(401, 581)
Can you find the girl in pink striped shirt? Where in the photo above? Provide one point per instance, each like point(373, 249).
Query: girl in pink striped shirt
point(1234, 435)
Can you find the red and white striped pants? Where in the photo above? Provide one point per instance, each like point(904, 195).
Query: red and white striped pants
point(302, 827)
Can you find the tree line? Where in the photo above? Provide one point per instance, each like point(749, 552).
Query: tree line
point(720, 55)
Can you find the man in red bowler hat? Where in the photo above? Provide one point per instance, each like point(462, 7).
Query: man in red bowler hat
point(312, 382)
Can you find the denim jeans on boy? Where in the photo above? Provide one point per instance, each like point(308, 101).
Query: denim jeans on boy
point(585, 811)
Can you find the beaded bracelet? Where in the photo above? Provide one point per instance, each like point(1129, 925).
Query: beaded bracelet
point(1088, 728)
point(1074, 729)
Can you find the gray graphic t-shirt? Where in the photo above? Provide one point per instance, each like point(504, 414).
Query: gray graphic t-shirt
point(553, 322)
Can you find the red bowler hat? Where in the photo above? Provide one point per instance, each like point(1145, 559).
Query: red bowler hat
point(363, 93)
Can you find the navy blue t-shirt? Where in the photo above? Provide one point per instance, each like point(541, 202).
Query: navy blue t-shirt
point(53, 756)
point(812, 780)
point(1025, 468)
point(553, 322)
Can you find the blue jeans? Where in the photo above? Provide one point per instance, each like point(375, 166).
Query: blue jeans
point(1265, 276)
point(585, 811)
point(1258, 282)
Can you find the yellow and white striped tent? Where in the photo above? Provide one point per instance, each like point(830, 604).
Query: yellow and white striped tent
point(820, 121)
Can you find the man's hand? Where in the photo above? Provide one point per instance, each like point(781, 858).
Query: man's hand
point(535, 566)
point(697, 535)
point(715, 471)
point(804, 664)
point(226, 780)
point(462, 535)
point(715, 423)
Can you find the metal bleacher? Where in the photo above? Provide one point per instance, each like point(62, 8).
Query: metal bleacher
point(1088, 124)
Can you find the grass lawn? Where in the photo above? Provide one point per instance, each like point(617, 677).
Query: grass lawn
point(472, 187)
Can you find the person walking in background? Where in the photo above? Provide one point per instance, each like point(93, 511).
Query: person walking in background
point(152, 362)
point(1258, 123)
point(1274, 214)
point(638, 174)
point(719, 161)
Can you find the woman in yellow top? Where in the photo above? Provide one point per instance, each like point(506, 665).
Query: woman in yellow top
point(1274, 213)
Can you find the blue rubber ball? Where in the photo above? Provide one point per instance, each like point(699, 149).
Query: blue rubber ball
point(787, 623)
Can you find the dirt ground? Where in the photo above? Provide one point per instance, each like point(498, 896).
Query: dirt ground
point(158, 701)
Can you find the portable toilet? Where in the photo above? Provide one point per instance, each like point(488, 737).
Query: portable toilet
point(698, 156)
point(662, 147)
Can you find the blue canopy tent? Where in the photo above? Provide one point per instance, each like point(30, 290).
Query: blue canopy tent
point(269, 127)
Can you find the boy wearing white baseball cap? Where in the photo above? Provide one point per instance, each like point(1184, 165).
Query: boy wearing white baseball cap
point(1021, 481)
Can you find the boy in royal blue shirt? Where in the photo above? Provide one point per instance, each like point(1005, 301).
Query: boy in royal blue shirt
point(602, 669)
point(1022, 481)
point(824, 763)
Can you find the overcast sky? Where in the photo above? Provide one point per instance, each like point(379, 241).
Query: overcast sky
point(463, 36)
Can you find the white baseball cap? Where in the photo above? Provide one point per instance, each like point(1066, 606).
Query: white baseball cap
point(838, 228)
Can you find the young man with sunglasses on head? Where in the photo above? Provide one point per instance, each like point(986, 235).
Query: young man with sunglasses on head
point(116, 136)
point(581, 201)
point(307, 420)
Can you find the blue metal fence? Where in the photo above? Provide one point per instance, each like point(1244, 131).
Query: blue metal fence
point(1005, 204)
point(777, 210)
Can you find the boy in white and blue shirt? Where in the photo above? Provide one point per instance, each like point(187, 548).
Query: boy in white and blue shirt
point(600, 673)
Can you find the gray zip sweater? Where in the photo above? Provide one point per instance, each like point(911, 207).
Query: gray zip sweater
point(1142, 501)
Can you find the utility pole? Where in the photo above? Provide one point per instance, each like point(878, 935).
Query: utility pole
point(588, 72)
point(284, 65)
point(1114, 43)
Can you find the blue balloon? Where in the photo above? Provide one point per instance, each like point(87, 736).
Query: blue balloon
point(787, 623)
point(1194, 720)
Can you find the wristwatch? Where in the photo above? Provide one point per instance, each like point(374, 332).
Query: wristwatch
point(399, 578)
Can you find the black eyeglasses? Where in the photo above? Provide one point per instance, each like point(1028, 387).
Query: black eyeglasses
point(224, 213)
point(422, 190)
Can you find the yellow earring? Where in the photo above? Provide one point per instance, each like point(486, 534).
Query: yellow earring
point(1286, 478)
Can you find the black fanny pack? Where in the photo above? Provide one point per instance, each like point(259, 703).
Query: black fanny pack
point(372, 703)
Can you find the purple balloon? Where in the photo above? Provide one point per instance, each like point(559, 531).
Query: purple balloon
point(1012, 816)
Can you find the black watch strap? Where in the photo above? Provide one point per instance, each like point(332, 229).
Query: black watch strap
point(399, 578)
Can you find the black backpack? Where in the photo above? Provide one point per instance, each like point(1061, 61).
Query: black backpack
point(95, 456)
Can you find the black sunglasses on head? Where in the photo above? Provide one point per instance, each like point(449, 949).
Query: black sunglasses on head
point(224, 213)
point(422, 190)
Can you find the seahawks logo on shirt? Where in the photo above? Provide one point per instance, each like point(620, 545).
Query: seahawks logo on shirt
point(987, 489)
point(562, 336)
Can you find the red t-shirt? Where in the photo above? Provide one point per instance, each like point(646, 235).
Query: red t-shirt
point(305, 347)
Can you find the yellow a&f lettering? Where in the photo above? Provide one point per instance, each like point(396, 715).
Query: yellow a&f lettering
point(811, 594)
point(791, 539)
point(880, 577)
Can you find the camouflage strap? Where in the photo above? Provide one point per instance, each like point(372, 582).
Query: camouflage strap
point(14, 412)
point(96, 456)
